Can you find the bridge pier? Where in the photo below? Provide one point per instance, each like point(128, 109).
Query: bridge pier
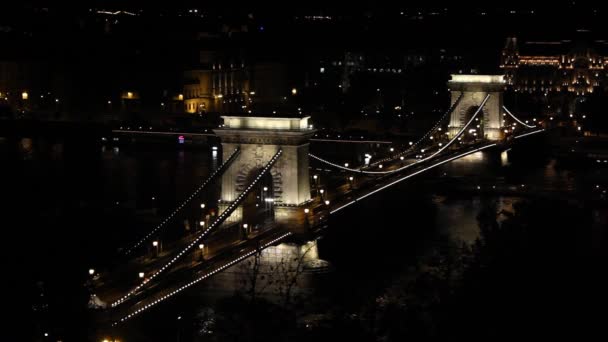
point(286, 190)
point(474, 88)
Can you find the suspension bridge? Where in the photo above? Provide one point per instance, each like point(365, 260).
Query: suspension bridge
point(265, 169)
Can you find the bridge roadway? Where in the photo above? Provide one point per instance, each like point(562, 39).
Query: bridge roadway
point(187, 274)
point(382, 182)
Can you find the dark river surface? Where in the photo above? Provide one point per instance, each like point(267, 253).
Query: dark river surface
point(71, 202)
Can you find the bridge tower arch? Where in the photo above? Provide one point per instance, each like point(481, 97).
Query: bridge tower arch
point(474, 88)
point(259, 139)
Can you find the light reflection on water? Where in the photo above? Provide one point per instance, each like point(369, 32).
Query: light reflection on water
point(504, 158)
point(26, 147)
point(457, 218)
point(277, 265)
point(58, 151)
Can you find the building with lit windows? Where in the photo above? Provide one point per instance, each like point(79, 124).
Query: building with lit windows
point(578, 67)
point(225, 82)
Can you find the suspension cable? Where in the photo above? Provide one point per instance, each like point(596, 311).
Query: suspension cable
point(516, 119)
point(220, 219)
point(215, 173)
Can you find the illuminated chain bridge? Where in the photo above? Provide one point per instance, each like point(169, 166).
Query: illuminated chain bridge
point(265, 168)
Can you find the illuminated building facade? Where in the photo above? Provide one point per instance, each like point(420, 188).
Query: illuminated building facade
point(231, 82)
point(219, 79)
point(577, 67)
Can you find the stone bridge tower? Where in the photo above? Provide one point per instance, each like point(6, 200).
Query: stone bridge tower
point(259, 138)
point(474, 89)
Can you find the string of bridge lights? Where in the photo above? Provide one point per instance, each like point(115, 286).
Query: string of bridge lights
point(429, 132)
point(185, 202)
point(220, 219)
point(410, 175)
point(429, 168)
point(456, 137)
point(197, 280)
point(344, 167)
point(516, 119)
point(412, 146)
point(529, 133)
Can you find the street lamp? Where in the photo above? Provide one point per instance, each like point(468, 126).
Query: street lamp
point(91, 271)
point(245, 225)
point(155, 244)
point(202, 223)
point(316, 181)
point(141, 275)
point(326, 202)
point(306, 210)
point(202, 205)
point(202, 248)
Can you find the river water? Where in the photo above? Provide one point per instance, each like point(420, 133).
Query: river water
point(71, 202)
